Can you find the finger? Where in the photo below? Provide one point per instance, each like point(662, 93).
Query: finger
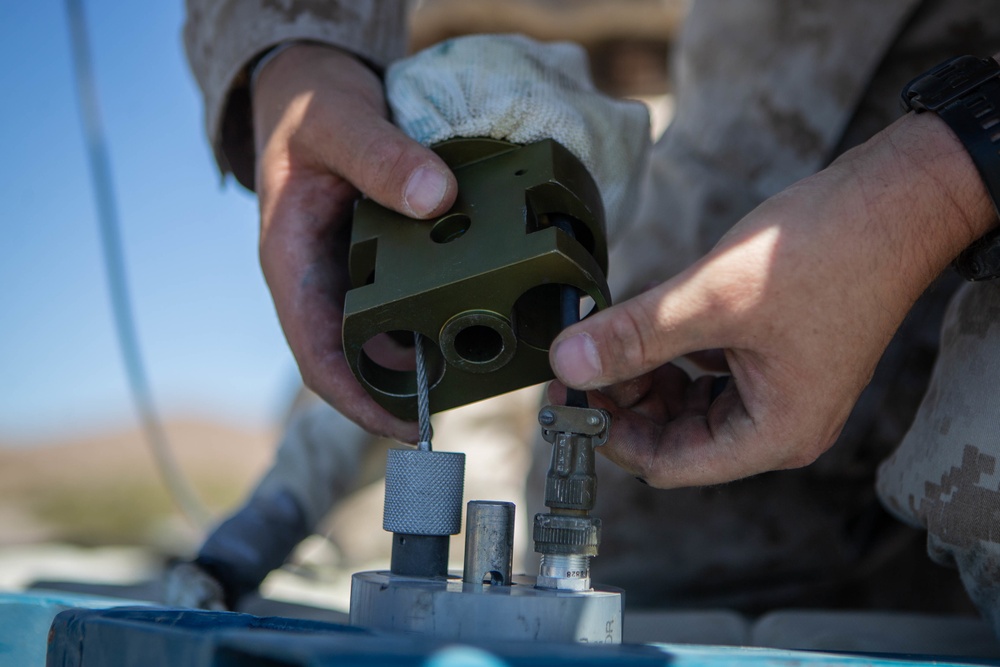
point(328, 110)
point(658, 396)
point(386, 165)
point(691, 449)
point(709, 360)
point(627, 394)
point(711, 446)
point(636, 336)
point(300, 243)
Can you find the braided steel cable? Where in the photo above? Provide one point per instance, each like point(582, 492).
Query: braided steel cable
point(423, 396)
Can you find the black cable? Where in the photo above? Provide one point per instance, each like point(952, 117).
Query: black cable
point(569, 309)
point(95, 142)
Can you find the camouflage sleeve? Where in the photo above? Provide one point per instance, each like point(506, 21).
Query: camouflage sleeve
point(223, 38)
point(944, 476)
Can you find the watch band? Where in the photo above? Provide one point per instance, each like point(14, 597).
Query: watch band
point(965, 93)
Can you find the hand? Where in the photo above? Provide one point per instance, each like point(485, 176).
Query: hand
point(322, 136)
point(802, 297)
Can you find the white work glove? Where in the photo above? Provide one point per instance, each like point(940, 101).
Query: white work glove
point(190, 587)
point(512, 88)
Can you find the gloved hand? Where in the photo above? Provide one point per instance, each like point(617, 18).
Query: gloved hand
point(239, 553)
point(189, 586)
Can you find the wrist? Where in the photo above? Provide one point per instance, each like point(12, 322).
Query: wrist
point(920, 186)
point(310, 75)
point(964, 92)
point(265, 59)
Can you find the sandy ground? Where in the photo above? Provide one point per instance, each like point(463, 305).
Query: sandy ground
point(105, 488)
point(94, 511)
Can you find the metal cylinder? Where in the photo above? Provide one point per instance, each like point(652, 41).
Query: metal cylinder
point(564, 572)
point(478, 341)
point(423, 492)
point(419, 555)
point(489, 542)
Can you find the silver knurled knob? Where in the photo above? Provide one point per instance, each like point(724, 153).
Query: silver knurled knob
point(423, 492)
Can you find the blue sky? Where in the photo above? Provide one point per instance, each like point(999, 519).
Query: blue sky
point(207, 328)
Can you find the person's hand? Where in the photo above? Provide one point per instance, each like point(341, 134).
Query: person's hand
point(802, 297)
point(322, 136)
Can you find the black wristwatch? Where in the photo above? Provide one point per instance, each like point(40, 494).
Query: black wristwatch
point(965, 93)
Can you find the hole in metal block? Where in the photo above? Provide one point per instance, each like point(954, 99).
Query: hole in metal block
point(536, 315)
point(450, 227)
point(388, 363)
point(478, 344)
point(478, 341)
point(493, 578)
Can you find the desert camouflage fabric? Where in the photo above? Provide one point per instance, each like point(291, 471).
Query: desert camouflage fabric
point(944, 475)
point(766, 93)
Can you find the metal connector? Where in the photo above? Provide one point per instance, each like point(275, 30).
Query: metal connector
point(567, 537)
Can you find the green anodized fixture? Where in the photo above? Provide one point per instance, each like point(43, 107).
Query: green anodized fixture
point(481, 282)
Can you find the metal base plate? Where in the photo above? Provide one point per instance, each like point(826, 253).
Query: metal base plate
point(453, 610)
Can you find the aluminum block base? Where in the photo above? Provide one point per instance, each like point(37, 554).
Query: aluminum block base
point(451, 609)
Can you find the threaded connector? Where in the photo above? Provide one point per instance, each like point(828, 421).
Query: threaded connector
point(565, 534)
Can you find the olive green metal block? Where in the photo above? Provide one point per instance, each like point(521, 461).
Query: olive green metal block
point(482, 281)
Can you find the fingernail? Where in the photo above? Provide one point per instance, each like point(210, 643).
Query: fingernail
point(576, 361)
point(424, 191)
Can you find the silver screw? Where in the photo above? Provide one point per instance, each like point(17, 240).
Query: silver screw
point(545, 417)
point(594, 420)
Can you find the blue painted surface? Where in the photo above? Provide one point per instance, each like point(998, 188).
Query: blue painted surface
point(162, 637)
point(731, 656)
point(89, 631)
point(25, 619)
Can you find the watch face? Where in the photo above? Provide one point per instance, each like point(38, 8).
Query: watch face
point(981, 260)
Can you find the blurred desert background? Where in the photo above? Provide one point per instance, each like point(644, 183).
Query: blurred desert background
point(105, 488)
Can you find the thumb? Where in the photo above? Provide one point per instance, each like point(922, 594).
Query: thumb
point(391, 168)
point(320, 108)
point(636, 336)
